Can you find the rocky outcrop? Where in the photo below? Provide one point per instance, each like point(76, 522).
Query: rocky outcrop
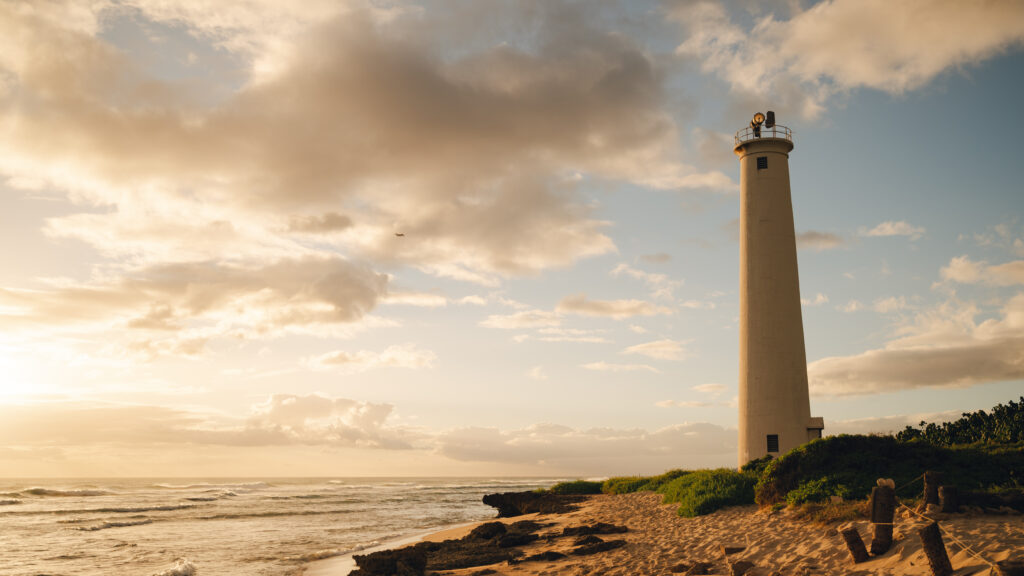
point(511, 504)
point(486, 544)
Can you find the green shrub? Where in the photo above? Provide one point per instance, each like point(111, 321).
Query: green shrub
point(855, 462)
point(630, 484)
point(705, 491)
point(757, 466)
point(656, 482)
point(820, 490)
point(577, 487)
point(624, 484)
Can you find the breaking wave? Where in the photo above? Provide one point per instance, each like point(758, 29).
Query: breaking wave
point(183, 567)
point(65, 493)
point(9, 501)
point(106, 525)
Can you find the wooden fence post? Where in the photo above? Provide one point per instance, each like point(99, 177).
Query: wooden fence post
point(855, 545)
point(949, 499)
point(931, 488)
point(935, 550)
point(883, 508)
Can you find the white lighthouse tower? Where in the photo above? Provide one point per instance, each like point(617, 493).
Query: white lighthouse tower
point(774, 404)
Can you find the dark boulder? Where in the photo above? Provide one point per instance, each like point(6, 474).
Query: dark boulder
point(402, 562)
point(518, 503)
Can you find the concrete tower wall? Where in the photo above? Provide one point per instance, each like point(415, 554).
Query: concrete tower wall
point(773, 397)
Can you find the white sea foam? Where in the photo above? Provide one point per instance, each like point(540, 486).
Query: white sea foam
point(183, 567)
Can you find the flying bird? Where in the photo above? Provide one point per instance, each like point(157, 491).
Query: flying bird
point(399, 234)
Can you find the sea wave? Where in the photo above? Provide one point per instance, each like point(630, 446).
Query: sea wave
point(9, 501)
point(198, 485)
point(115, 510)
point(107, 525)
point(64, 493)
point(182, 567)
point(272, 514)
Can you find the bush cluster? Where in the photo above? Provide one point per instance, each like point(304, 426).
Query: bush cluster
point(1002, 424)
point(705, 491)
point(576, 487)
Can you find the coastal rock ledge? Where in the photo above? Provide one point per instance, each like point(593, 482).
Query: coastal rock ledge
point(511, 504)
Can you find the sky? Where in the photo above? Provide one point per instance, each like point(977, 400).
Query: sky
point(483, 238)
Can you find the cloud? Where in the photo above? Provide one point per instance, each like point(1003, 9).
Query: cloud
point(617, 309)
point(523, 319)
point(660, 285)
point(537, 373)
point(893, 228)
point(818, 300)
point(965, 271)
point(396, 356)
point(419, 299)
point(660, 349)
point(596, 451)
point(571, 335)
point(283, 419)
point(710, 388)
point(610, 367)
point(818, 241)
point(851, 306)
point(354, 123)
point(191, 302)
point(943, 347)
point(887, 424)
point(890, 304)
point(682, 404)
point(838, 45)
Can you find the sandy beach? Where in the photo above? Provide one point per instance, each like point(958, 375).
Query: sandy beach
point(659, 542)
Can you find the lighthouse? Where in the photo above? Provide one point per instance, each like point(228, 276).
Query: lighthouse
point(774, 403)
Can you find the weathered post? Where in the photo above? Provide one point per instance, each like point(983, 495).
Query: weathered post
point(935, 550)
point(855, 545)
point(949, 499)
point(883, 509)
point(932, 480)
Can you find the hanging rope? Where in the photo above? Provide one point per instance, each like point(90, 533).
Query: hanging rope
point(950, 535)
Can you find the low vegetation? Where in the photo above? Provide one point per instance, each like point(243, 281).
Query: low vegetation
point(829, 479)
point(705, 491)
point(576, 487)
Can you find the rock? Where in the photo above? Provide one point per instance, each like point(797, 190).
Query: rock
point(599, 528)
point(515, 539)
point(586, 540)
point(679, 568)
point(598, 547)
point(740, 567)
point(511, 504)
point(488, 531)
point(402, 562)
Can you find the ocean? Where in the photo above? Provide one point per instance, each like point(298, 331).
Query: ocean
point(215, 527)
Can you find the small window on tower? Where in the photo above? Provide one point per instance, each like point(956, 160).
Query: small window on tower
point(773, 442)
point(762, 162)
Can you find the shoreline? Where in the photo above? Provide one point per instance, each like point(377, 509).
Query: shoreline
point(659, 542)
